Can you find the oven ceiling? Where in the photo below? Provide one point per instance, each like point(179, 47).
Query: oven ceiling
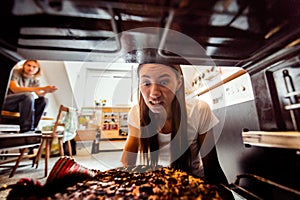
point(230, 32)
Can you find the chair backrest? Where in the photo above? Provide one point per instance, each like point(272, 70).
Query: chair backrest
point(58, 122)
point(66, 118)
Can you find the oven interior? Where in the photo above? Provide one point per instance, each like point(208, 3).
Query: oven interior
point(261, 37)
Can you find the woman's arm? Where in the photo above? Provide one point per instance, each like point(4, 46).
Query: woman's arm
point(212, 169)
point(16, 88)
point(131, 147)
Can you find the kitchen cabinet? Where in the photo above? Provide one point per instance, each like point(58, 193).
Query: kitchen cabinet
point(112, 121)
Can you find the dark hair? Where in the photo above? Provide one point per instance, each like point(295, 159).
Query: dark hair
point(180, 151)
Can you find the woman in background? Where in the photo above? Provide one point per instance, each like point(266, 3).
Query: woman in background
point(167, 130)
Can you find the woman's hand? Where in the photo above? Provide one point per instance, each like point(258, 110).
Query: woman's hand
point(131, 147)
point(49, 88)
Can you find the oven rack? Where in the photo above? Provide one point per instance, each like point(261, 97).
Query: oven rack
point(275, 139)
point(254, 187)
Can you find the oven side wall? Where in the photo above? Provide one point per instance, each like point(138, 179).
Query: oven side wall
point(264, 113)
point(6, 65)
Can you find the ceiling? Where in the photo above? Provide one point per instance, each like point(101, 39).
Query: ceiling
point(223, 32)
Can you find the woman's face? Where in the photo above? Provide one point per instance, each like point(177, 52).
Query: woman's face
point(158, 86)
point(30, 68)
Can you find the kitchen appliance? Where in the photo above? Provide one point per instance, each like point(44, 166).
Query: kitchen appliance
point(259, 141)
point(260, 37)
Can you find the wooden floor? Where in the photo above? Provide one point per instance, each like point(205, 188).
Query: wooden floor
point(107, 158)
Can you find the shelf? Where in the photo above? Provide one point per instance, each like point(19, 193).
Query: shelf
point(9, 128)
point(278, 139)
point(113, 119)
point(292, 106)
point(90, 135)
point(111, 134)
point(116, 121)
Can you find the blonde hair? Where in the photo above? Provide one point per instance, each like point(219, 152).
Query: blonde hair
point(38, 73)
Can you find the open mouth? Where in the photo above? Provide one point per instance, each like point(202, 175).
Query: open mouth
point(156, 103)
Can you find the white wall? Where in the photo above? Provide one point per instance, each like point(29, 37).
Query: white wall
point(80, 83)
point(55, 74)
point(95, 80)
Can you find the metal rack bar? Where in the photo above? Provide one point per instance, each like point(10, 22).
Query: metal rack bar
point(278, 139)
point(267, 181)
point(292, 106)
point(251, 194)
point(292, 94)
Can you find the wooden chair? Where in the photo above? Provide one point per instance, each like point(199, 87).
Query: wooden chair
point(49, 136)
